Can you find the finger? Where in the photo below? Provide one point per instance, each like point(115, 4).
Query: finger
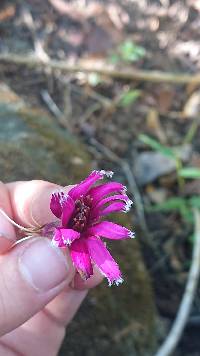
point(30, 202)
point(33, 339)
point(32, 274)
point(7, 231)
point(64, 306)
point(81, 284)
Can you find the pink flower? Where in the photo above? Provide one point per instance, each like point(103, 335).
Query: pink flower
point(81, 227)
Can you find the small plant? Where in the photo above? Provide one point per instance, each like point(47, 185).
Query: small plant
point(190, 173)
point(184, 206)
point(129, 97)
point(166, 151)
point(128, 51)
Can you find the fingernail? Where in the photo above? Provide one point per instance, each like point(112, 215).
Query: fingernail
point(43, 265)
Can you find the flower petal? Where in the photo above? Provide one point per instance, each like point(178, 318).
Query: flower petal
point(63, 237)
point(117, 197)
point(57, 239)
point(85, 185)
point(69, 235)
point(81, 258)
point(55, 204)
point(99, 192)
point(110, 230)
point(113, 208)
point(104, 261)
point(68, 207)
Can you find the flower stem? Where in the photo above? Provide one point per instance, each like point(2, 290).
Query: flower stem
point(26, 229)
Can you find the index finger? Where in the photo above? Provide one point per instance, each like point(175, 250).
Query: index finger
point(30, 202)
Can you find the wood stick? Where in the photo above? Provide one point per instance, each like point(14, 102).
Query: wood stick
point(130, 74)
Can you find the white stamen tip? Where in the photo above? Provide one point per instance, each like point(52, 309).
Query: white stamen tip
point(116, 282)
point(108, 174)
point(67, 242)
point(131, 234)
point(124, 189)
point(128, 206)
point(119, 281)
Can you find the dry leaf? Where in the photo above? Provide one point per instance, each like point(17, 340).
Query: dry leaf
point(165, 98)
point(154, 125)
point(7, 13)
point(192, 106)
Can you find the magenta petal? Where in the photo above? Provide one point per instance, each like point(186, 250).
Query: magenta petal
point(113, 208)
point(81, 258)
point(69, 235)
point(99, 192)
point(122, 197)
point(85, 185)
point(57, 239)
point(55, 205)
point(99, 211)
point(110, 230)
point(111, 198)
point(104, 261)
point(67, 209)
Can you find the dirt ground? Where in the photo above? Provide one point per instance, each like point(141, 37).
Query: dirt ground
point(167, 37)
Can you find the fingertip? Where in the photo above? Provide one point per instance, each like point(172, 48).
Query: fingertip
point(80, 284)
point(31, 201)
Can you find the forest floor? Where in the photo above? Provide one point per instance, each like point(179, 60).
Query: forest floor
point(111, 114)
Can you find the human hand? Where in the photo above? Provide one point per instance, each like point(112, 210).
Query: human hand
point(39, 289)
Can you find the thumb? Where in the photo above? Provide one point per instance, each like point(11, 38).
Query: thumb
point(31, 275)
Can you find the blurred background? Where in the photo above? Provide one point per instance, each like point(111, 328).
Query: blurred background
point(113, 85)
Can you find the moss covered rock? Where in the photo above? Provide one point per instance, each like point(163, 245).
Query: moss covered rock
point(112, 321)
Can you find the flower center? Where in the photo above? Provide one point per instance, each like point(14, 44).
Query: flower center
point(81, 216)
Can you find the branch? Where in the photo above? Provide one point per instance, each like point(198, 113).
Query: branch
point(176, 331)
point(130, 74)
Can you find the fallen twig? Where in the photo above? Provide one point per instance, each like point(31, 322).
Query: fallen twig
point(54, 109)
point(106, 70)
point(176, 331)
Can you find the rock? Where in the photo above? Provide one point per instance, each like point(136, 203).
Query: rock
point(112, 321)
point(150, 165)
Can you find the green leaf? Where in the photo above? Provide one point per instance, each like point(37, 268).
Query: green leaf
point(114, 58)
point(195, 202)
point(129, 97)
point(155, 145)
point(174, 204)
point(191, 239)
point(171, 204)
point(131, 52)
point(186, 213)
point(191, 173)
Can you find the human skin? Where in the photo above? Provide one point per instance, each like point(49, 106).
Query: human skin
point(40, 291)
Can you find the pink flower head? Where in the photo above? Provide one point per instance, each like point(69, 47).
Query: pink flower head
point(81, 227)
